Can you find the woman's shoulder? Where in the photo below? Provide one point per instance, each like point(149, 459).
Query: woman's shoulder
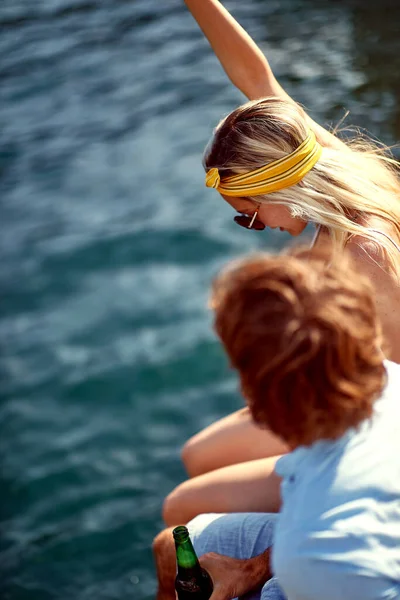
point(369, 255)
point(370, 259)
point(369, 252)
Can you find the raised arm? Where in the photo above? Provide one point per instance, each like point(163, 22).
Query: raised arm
point(242, 60)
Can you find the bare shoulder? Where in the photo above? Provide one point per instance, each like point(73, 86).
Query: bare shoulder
point(370, 258)
point(370, 255)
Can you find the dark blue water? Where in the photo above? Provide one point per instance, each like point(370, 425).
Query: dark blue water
point(109, 241)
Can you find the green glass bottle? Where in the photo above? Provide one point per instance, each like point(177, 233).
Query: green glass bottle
point(192, 582)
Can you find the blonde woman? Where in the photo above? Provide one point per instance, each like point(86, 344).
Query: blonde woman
point(278, 168)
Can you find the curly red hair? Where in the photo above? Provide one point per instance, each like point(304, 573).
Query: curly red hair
point(301, 329)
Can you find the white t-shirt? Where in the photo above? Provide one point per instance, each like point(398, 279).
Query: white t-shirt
point(338, 533)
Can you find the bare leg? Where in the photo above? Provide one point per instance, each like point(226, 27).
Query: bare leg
point(231, 440)
point(247, 487)
point(164, 557)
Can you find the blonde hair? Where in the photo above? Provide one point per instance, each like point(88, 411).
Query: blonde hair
point(344, 186)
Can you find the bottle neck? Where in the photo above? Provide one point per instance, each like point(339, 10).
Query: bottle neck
point(185, 555)
point(186, 558)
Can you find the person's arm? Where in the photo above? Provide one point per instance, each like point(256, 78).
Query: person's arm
point(240, 57)
point(233, 577)
point(242, 60)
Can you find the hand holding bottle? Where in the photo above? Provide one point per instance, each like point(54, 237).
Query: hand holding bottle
point(233, 577)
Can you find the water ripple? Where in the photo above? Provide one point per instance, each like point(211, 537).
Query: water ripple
point(109, 242)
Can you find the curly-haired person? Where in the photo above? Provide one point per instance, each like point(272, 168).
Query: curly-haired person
point(302, 332)
point(278, 168)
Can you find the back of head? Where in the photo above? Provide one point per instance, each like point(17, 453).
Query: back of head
point(343, 189)
point(254, 134)
point(305, 340)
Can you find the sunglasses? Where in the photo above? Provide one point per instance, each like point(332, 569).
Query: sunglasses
point(249, 222)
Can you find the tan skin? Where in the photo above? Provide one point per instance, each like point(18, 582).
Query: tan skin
point(235, 458)
point(226, 452)
point(232, 577)
point(232, 461)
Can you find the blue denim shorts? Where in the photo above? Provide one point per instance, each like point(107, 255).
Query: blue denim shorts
point(245, 535)
point(239, 535)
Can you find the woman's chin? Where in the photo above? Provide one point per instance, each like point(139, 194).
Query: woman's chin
point(289, 231)
point(292, 232)
point(298, 230)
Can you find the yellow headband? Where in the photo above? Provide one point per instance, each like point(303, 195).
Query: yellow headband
point(273, 177)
